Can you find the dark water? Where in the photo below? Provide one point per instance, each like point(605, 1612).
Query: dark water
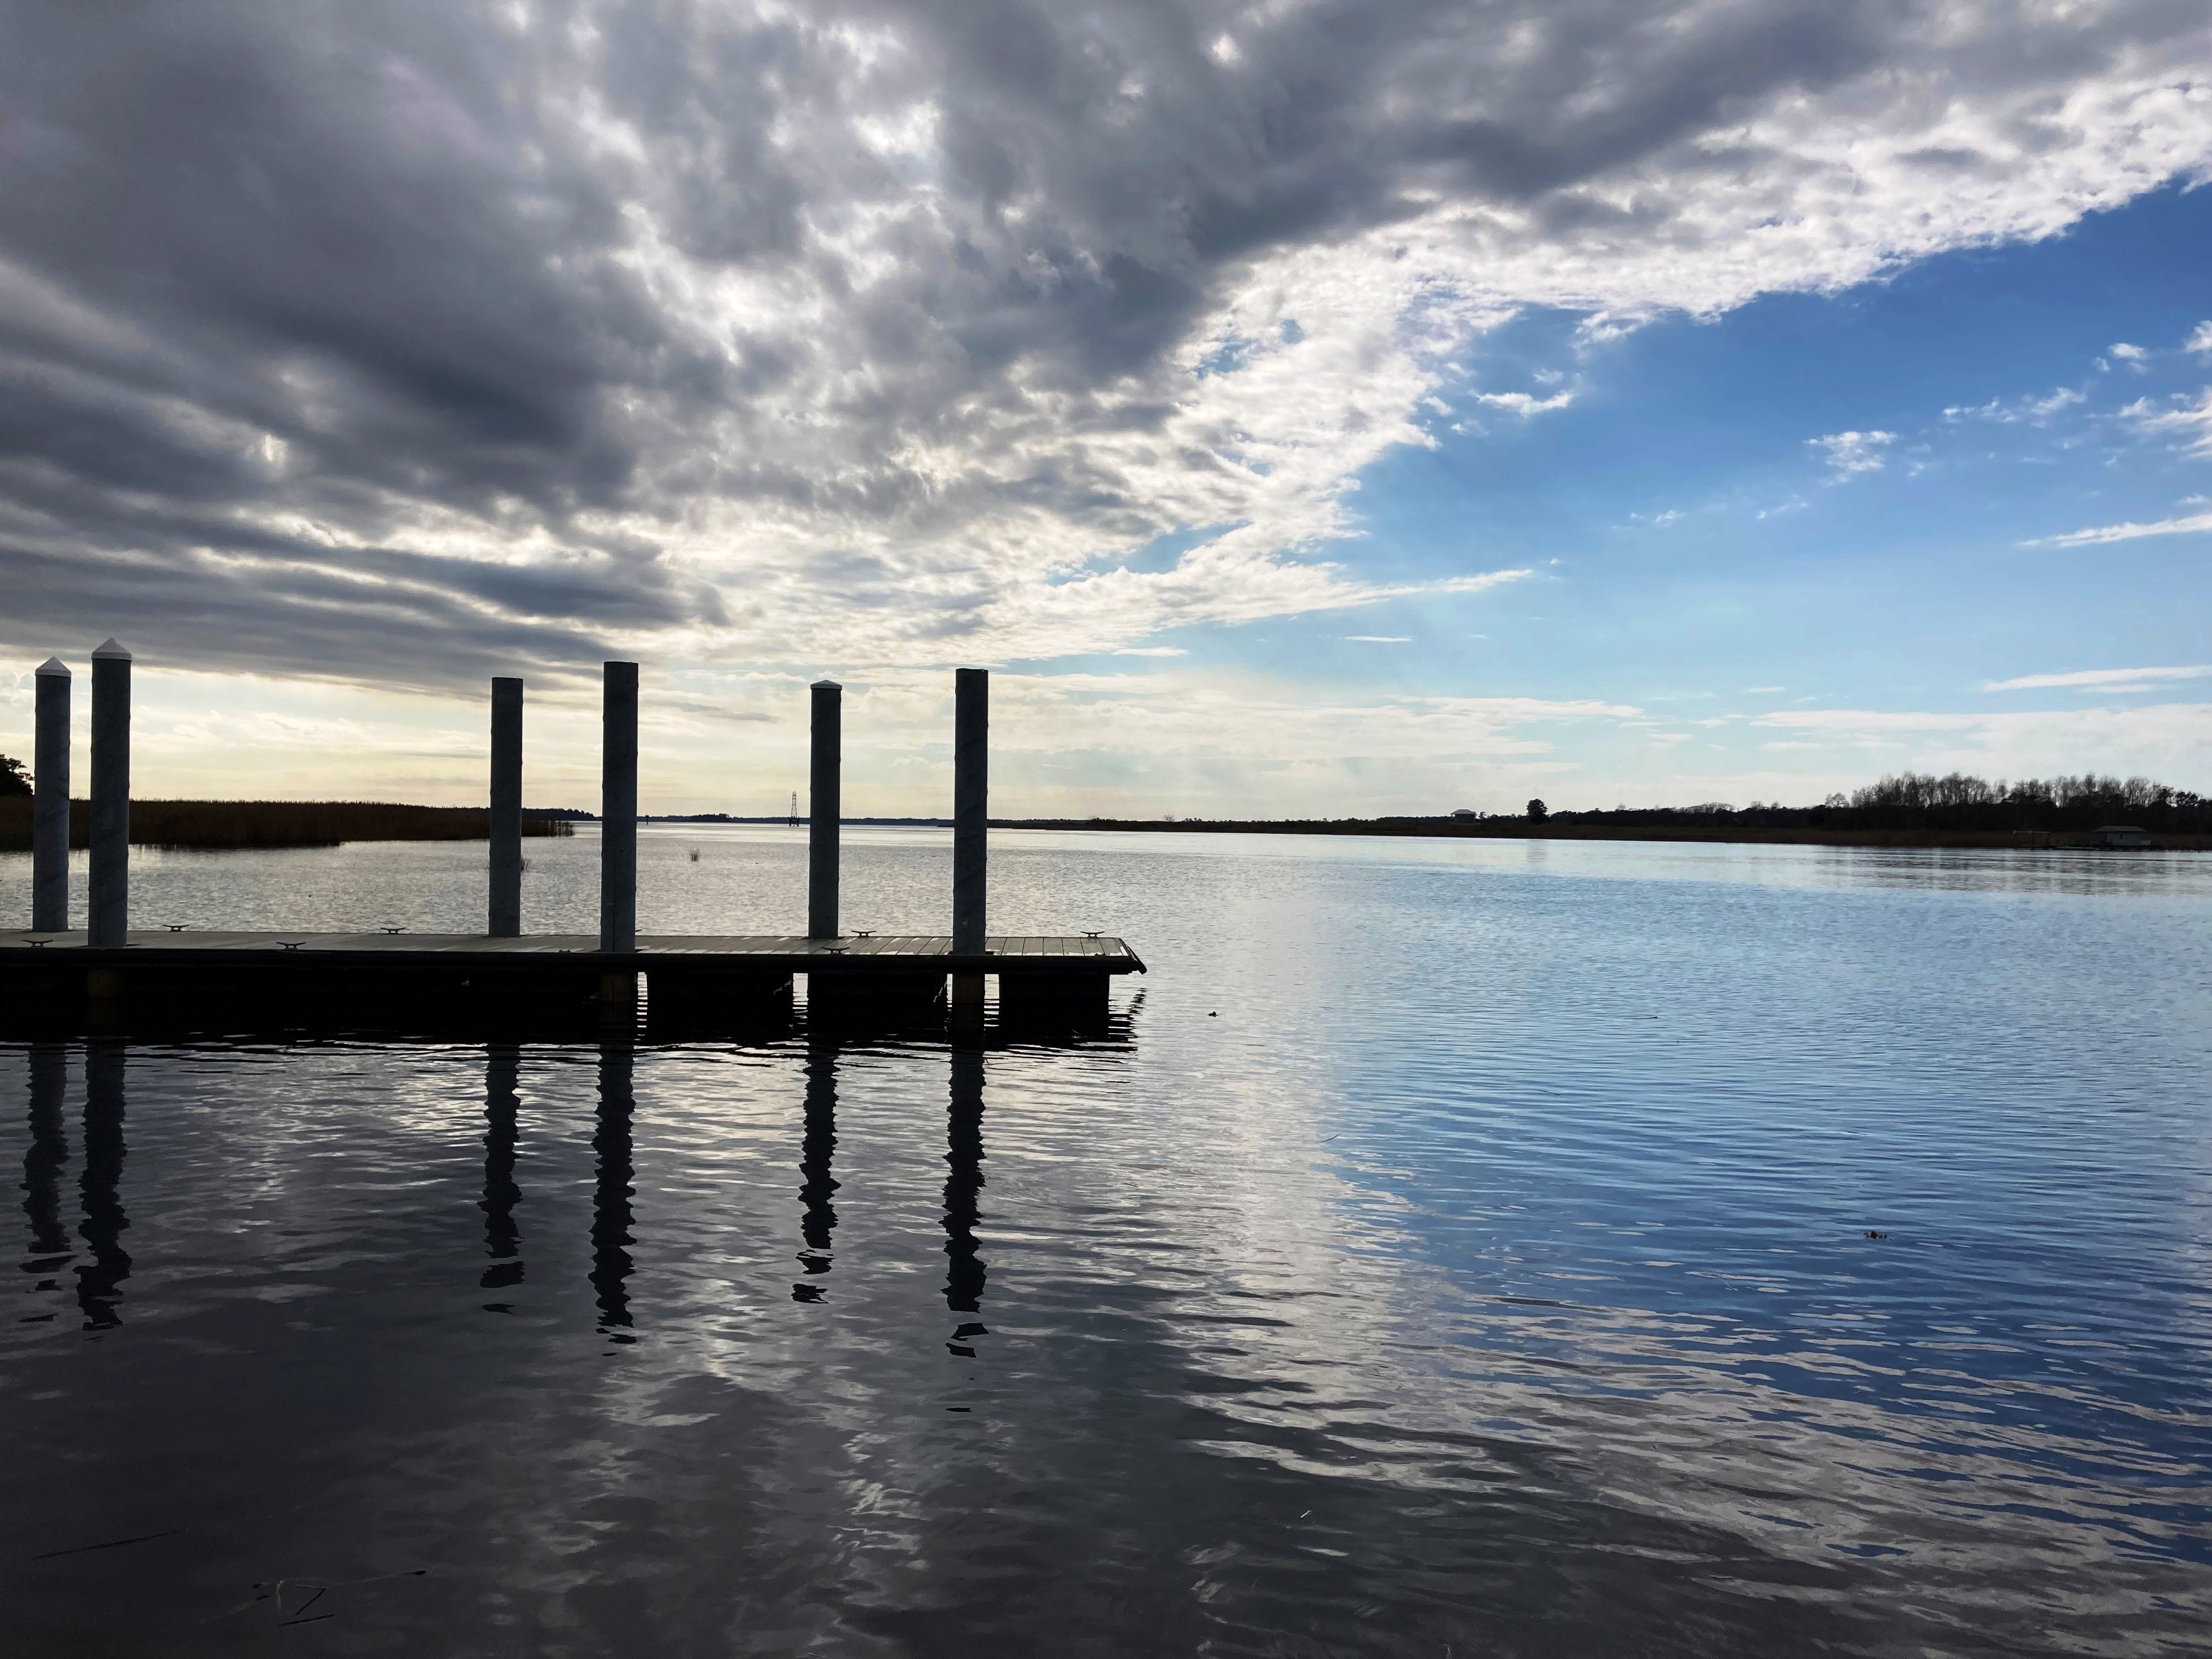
point(1451, 1250)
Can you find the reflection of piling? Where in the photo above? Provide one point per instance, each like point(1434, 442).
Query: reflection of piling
point(47, 1157)
point(823, 808)
point(818, 1215)
point(611, 1189)
point(99, 1281)
point(964, 1188)
point(50, 807)
point(505, 920)
point(971, 807)
point(502, 1238)
point(109, 918)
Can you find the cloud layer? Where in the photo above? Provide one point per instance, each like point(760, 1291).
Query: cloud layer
point(398, 342)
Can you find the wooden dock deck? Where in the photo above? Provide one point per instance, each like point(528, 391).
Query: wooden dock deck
point(1038, 974)
point(1022, 955)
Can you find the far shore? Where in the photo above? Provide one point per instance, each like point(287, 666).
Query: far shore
point(231, 825)
point(1507, 828)
point(221, 825)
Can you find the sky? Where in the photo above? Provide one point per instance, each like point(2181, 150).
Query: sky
point(1303, 409)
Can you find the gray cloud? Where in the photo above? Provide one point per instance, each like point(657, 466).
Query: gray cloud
point(402, 339)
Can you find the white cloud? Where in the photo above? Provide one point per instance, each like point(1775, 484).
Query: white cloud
point(2172, 741)
point(2129, 353)
point(2193, 421)
point(2201, 339)
point(2185, 526)
point(858, 337)
point(1523, 404)
point(2032, 411)
point(1381, 639)
point(878, 330)
point(2100, 679)
point(1850, 453)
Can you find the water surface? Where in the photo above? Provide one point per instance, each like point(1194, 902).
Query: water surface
point(1451, 1247)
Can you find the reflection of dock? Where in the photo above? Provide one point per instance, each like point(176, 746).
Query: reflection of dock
point(101, 1265)
point(104, 1264)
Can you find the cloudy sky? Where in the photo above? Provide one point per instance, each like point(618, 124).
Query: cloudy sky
point(1304, 407)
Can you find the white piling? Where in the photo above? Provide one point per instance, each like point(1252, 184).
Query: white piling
point(972, 817)
point(618, 810)
point(49, 804)
point(824, 809)
point(108, 922)
point(505, 918)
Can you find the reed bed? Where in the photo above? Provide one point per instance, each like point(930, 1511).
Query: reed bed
point(215, 825)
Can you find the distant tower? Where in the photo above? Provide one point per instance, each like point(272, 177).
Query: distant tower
point(794, 808)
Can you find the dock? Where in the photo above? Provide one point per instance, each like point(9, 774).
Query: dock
point(733, 972)
point(106, 964)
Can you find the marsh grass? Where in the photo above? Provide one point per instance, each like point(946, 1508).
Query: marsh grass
point(214, 825)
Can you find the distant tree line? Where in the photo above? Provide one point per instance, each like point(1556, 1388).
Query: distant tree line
point(1913, 809)
point(1955, 802)
point(214, 824)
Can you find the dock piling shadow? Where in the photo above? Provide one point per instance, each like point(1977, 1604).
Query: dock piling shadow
point(100, 1280)
point(614, 1171)
point(964, 1274)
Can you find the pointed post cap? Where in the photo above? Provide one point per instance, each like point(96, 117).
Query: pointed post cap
point(825, 685)
point(112, 651)
point(54, 667)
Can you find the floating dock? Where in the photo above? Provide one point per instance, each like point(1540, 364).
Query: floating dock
point(731, 973)
point(1054, 978)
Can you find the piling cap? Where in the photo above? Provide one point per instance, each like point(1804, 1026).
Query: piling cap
point(55, 667)
point(825, 685)
point(111, 652)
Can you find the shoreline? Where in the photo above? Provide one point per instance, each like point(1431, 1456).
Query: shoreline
point(2023, 840)
point(217, 826)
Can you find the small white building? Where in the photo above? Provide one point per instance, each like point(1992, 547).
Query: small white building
point(2121, 835)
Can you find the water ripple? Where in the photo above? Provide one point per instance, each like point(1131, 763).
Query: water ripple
point(1483, 1247)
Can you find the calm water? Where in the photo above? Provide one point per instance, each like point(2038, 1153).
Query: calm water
point(1453, 1248)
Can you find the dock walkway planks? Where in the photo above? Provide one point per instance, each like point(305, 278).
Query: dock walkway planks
point(1008, 956)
